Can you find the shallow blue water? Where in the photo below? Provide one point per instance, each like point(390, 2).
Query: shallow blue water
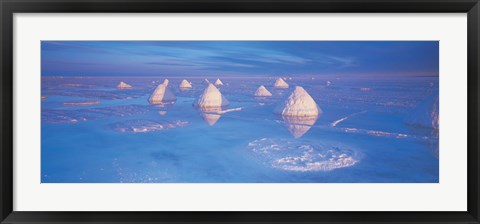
point(124, 139)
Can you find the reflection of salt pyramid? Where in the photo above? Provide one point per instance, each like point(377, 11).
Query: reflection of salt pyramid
point(425, 114)
point(299, 104)
point(298, 126)
point(211, 119)
point(185, 84)
point(162, 94)
point(211, 97)
point(279, 83)
point(218, 82)
point(262, 91)
point(162, 112)
point(210, 115)
point(123, 85)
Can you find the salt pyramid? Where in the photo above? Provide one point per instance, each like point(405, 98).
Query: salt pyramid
point(185, 84)
point(211, 97)
point(298, 126)
point(206, 81)
point(280, 83)
point(123, 85)
point(262, 92)
point(218, 82)
point(162, 94)
point(299, 104)
point(425, 114)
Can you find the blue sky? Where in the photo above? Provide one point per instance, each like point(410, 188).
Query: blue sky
point(235, 58)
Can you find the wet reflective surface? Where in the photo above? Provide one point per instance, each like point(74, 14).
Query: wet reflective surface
point(93, 132)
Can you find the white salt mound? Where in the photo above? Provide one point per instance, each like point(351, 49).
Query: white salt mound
point(211, 97)
point(218, 82)
point(162, 94)
point(425, 114)
point(280, 83)
point(299, 104)
point(262, 91)
point(123, 85)
point(185, 84)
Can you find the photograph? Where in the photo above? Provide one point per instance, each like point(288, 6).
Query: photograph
point(239, 111)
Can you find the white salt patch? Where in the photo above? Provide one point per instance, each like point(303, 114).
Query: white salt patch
point(386, 134)
point(350, 130)
point(379, 133)
point(298, 104)
point(262, 92)
point(335, 123)
point(302, 156)
point(86, 103)
point(229, 110)
point(71, 84)
point(144, 126)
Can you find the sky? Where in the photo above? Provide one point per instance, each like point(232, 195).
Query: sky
point(239, 58)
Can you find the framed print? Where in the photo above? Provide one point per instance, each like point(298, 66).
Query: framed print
point(212, 111)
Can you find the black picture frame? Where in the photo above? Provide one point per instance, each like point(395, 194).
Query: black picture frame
point(9, 7)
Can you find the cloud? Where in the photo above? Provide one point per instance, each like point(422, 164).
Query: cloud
point(69, 63)
point(345, 62)
point(76, 47)
point(247, 57)
point(209, 54)
point(279, 57)
point(179, 65)
point(262, 55)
